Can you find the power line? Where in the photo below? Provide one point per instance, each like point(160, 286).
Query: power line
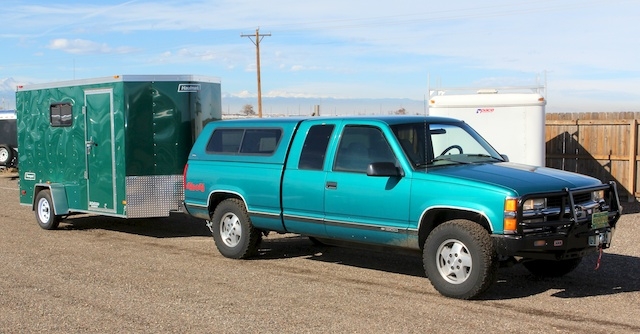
point(258, 37)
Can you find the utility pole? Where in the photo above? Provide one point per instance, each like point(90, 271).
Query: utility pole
point(258, 37)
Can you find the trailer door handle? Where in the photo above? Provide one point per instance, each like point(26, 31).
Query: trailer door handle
point(90, 144)
point(332, 185)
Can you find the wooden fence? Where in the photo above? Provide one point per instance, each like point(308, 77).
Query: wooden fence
point(603, 145)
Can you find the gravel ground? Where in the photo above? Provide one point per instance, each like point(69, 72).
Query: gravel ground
point(100, 274)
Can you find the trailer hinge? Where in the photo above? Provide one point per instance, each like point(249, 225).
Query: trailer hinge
point(84, 110)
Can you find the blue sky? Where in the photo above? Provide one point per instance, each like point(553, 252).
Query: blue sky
point(585, 51)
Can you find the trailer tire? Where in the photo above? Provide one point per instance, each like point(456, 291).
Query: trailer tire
point(45, 212)
point(460, 259)
point(233, 233)
point(6, 155)
point(550, 268)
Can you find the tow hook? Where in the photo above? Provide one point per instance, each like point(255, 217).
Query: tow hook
point(599, 258)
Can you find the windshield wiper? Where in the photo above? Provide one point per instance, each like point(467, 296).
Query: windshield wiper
point(448, 158)
point(484, 156)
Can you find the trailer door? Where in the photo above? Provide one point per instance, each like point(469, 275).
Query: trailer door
point(100, 150)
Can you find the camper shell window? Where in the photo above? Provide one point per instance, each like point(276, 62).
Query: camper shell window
point(60, 114)
point(244, 141)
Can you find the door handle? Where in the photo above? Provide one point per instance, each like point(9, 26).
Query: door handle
point(89, 145)
point(332, 185)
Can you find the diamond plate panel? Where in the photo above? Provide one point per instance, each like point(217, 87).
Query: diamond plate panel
point(153, 195)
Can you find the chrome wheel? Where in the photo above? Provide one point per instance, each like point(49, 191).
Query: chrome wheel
point(230, 229)
point(454, 261)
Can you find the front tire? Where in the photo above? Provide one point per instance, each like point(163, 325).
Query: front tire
point(459, 259)
point(45, 212)
point(549, 268)
point(233, 233)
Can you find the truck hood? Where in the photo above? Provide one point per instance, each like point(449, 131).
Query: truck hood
point(522, 179)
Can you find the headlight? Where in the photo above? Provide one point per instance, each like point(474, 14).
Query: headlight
point(597, 195)
point(534, 204)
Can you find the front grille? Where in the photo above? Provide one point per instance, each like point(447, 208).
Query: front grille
point(558, 216)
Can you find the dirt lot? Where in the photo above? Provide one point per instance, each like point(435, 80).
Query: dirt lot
point(98, 274)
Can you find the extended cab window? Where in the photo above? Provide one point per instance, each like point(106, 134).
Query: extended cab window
point(60, 114)
point(315, 147)
point(244, 141)
point(360, 146)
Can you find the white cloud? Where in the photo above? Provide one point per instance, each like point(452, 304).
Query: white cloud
point(83, 46)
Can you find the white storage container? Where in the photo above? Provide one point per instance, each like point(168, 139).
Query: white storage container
point(513, 122)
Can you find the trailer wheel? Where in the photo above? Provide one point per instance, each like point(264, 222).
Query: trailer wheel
point(459, 259)
point(6, 155)
point(549, 268)
point(45, 213)
point(233, 233)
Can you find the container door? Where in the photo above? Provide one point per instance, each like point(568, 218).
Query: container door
point(100, 148)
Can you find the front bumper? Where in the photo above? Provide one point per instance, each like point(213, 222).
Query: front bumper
point(573, 229)
point(554, 246)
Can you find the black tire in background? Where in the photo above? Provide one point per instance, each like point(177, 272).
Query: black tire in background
point(460, 260)
point(233, 233)
point(45, 212)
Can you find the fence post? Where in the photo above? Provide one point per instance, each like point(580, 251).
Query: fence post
point(633, 147)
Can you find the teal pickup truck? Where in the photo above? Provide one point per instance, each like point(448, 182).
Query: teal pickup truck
point(427, 184)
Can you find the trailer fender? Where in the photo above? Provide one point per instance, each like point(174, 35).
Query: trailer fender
point(58, 197)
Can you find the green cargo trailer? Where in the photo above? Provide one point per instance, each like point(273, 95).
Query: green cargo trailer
point(113, 146)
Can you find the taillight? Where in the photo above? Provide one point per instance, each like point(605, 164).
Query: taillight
point(184, 176)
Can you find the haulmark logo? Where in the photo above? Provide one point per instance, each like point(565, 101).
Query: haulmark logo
point(484, 110)
point(188, 88)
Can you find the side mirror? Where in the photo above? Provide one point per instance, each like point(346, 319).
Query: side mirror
point(383, 169)
point(505, 157)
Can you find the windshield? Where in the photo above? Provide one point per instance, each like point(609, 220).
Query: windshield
point(437, 144)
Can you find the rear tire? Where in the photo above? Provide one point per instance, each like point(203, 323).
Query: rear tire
point(45, 212)
point(233, 233)
point(459, 259)
point(6, 155)
point(550, 268)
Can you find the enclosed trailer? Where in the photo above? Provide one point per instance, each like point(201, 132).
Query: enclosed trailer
point(113, 146)
point(8, 139)
point(512, 119)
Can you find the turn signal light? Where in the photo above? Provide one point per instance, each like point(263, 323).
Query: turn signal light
point(510, 224)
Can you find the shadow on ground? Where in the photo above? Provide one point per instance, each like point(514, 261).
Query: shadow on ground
point(617, 273)
point(174, 226)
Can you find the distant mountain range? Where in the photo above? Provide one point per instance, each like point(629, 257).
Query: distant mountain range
point(294, 106)
point(288, 106)
point(8, 93)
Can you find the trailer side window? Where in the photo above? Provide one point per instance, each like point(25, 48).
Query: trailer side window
point(60, 114)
